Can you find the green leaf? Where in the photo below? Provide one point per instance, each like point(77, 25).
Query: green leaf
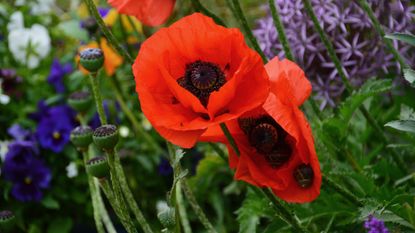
point(60, 225)
point(253, 207)
point(409, 75)
point(404, 37)
point(369, 89)
point(72, 29)
point(50, 203)
point(402, 125)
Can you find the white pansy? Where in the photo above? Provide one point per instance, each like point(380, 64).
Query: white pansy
point(16, 21)
point(42, 7)
point(71, 170)
point(29, 45)
point(4, 147)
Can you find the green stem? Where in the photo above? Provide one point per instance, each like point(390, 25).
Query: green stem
point(107, 33)
point(238, 13)
point(341, 190)
point(196, 207)
point(186, 189)
point(349, 88)
point(135, 30)
point(287, 215)
point(122, 180)
point(280, 29)
point(94, 199)
point(104, 213)
point(219, 151)
point(93, 77)
point(118, 194)
point(230, 138)
point(199, 7)
point(130, 115)
point(181, 208)
point(365, 6)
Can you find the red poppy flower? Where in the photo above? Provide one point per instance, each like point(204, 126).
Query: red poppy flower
point(275, 141)
point(196, 74)
point(149, 12)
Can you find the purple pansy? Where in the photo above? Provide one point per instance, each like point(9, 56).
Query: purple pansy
point(374, 225)
point(27, 173)
point(57, 72)
point(360, 49)
point(54, 127)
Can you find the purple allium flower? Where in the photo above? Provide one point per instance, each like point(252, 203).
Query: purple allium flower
point(374, 225)
point(361, 51)
point(55, 125)
point(27, 173)
point(57, 72)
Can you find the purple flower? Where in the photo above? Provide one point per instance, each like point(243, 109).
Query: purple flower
point(55, 125)
point(103, 11)
point(361, 51)
point(57, 72)
point(18, 132)
point(27, 173)
point(164, 167)
point(374, 225)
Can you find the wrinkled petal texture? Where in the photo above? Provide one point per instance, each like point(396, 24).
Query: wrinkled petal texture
point(289, 89)
point(176, 113)
point(149, 12)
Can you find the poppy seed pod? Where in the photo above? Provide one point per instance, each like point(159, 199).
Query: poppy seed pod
point(98, 167)
point(80, 101)
point(92, 59)
point(81, 136)
point(167, 217)
point(7, 220)
point(106, 137)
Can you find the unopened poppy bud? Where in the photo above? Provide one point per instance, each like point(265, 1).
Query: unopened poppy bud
point(80, 101)
point(304, 175)
point(7, 220)
point(167, 217)
point(106, 137)
point(81, 136)
point(98, 167)
point(92, 59)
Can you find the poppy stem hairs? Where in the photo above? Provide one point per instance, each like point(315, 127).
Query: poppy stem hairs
point(108, 34)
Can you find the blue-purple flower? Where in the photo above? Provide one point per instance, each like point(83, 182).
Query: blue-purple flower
point(57, 73)
point(54, 127)
point(27, 173)
point(361, 50)
point(374, 225)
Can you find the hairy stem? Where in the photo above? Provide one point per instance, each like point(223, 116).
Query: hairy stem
point(199, 7)
point(181, 208)
point(107, 33)
point(93, 77)
point(238, 13)
point(365, 6)
point(122, 180)
point(280, 29)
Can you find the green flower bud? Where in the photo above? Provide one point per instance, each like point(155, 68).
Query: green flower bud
point(81, 136)
point(7, 220)
point(106, 137)
point(92, 59)
point(167, 217)
point(80, 101)
point(98, 167)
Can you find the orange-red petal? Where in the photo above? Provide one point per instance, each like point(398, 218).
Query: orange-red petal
point(149, 12)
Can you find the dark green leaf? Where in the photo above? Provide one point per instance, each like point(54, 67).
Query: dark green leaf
point(50, 203)
point(60, 225)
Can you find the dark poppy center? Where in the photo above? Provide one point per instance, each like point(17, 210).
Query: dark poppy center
point(304, 175)
point(201, 79)
point(264, 137)
point(268, 138)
